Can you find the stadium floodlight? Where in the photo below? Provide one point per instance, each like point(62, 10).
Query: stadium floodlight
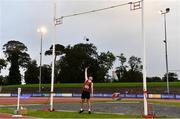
point(42, 31)
point(165, 42)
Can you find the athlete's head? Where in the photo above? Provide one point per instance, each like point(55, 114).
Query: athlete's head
point(90, 78)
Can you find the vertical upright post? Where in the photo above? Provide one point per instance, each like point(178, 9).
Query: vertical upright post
point(167, 70)
point(144, 61)
point(18, 99)
point(17, 112)
point(40, 71)
point(53, 62)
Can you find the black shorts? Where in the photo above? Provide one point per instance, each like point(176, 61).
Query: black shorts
point(85, 95)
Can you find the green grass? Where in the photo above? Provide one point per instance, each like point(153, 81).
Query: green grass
point(57, 114)
point(9, 111)
point(98, 85)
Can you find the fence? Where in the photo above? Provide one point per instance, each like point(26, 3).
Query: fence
point(100, 95)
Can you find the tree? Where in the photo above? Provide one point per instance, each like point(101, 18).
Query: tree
point(154, 79)
point(133, 76)
point(132, 72)
point(32, 73)
point(75, 60)
point(122, 69)
point(3, 80)
point(59, 50)
point(105, 61)
point(135, 63)
point(172, 77)
point(16, 54)
point(3, 64)
point(46, 71)
point(122, 59)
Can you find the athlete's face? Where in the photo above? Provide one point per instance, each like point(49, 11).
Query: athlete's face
point(91, 78)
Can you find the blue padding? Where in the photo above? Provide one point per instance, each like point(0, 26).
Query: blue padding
point(25, 96)
point(177, 96)
point(167, 96)
point(130, 95)
point(14, 95)
point(107, 95)
point(98, 95)
point(45, 95)
point(37, 95)
point(122, 95)
point(76, 94)
point(140, 95)
point(58, 94)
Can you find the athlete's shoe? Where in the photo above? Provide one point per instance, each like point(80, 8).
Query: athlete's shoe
point(89, 112)
point(81, 111)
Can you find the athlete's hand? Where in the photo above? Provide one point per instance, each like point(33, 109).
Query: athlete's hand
point(87, 68)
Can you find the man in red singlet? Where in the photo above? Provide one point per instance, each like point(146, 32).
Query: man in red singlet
point(86, 91)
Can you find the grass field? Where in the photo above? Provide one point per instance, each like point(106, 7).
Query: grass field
point(100, 85)
point(61, 114)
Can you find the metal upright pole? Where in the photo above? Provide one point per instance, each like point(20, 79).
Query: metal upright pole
point(144, 61)
point(40, 69)
point(53, 62)
point(166, 54)
point(165, 41)
point(18, 100)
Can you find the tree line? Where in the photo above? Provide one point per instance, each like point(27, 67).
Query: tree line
point(70, 62)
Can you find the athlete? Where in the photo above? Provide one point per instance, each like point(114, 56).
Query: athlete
point(86, 91)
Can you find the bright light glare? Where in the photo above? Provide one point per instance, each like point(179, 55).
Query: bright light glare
point(42, 30)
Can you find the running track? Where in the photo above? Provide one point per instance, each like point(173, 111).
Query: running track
point(36, 100)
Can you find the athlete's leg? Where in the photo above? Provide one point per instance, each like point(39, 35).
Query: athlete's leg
point(82, 103)
point(89, 106)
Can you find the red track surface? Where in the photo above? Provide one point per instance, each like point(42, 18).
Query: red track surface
point(36, 100)
point(5, 116)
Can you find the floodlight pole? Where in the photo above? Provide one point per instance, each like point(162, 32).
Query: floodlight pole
point(144, 61)
point(167, 70)
point(40, 67)
point(53, 63)
point(42, 31)
point(165, 42)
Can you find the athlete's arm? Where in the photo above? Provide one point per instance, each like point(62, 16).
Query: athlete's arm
point(86, 77)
